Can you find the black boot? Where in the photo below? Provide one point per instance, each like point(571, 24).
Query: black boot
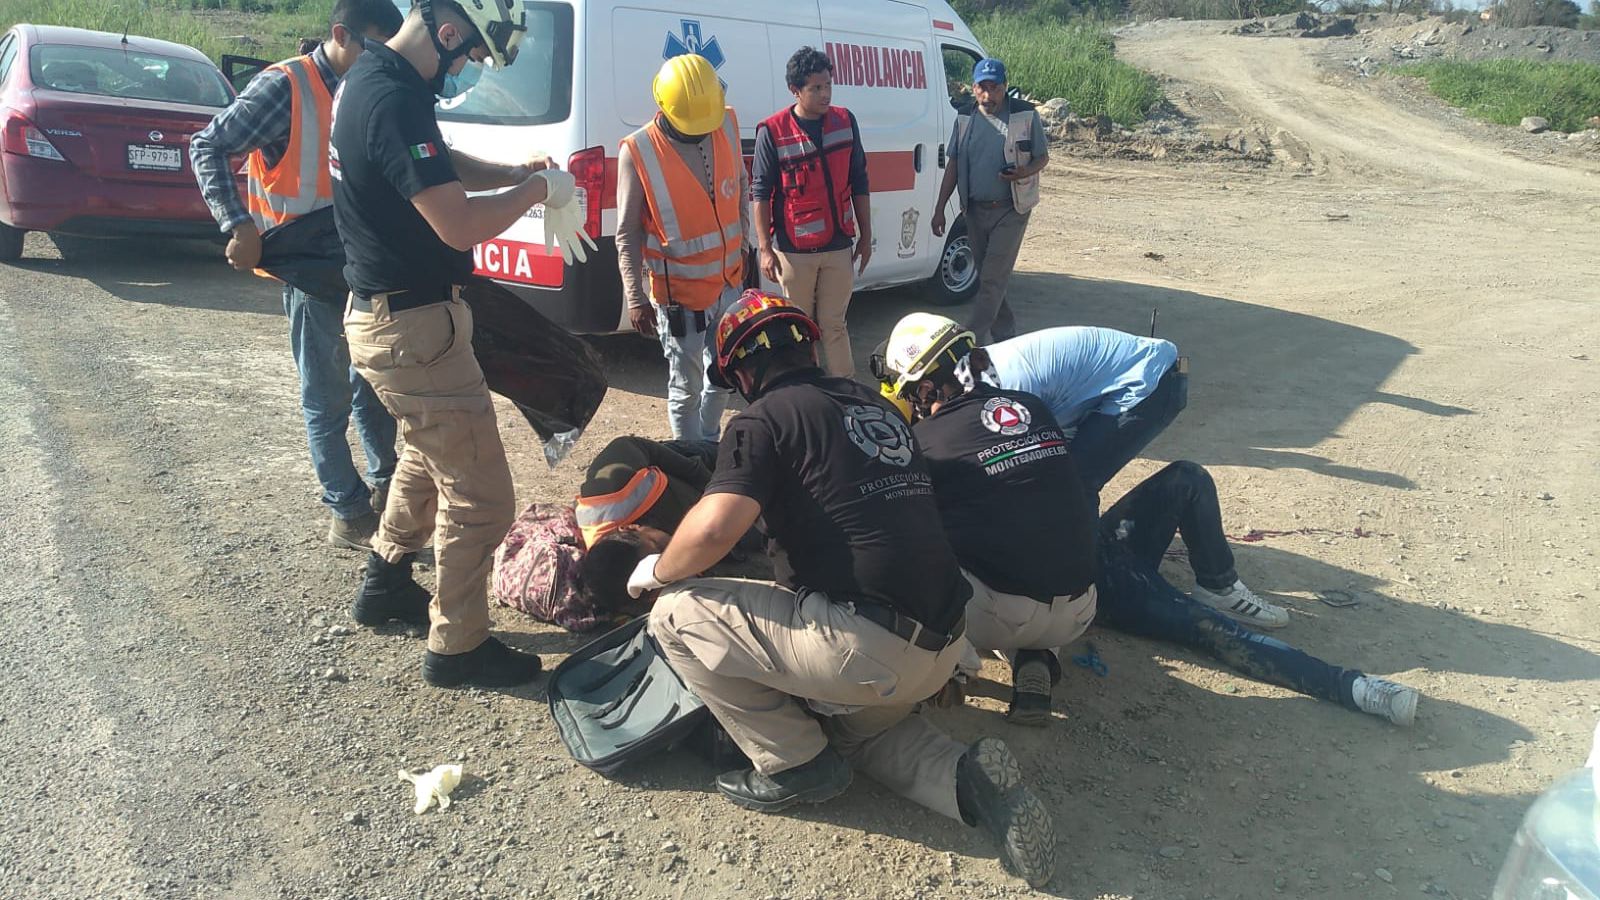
point(490, 664)
point(823, 778)
point(1033, 676)
point(991, 795)
point(388, 592)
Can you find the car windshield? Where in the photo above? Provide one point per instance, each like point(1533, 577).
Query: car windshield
point(536, 90)
point(111, 72)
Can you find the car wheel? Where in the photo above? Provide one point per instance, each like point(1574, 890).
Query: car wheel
point(10, 243)
point(956, 279)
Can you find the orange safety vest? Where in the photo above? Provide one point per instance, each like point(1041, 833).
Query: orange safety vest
point(815, 181)
point(299, 183)
point(600, 516)
point(694, 244)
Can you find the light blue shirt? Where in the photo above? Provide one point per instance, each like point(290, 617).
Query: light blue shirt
point(1078, 370)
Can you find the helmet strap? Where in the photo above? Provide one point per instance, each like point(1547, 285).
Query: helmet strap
point(447, 57)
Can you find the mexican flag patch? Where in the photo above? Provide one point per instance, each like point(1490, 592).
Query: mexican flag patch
point(424, 151)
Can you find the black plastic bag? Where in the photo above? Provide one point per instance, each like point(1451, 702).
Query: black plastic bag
point(554, 377)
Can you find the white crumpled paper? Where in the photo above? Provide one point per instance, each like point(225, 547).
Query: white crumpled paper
point(433, 785)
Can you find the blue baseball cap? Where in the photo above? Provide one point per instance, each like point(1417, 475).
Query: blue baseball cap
point(989, 69)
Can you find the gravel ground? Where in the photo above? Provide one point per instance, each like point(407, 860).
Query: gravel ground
point(1389, 350)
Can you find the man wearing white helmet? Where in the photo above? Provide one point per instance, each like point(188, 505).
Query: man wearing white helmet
point(408, 228)
point(1019, 524)
point(1112, 392)
point(681, 226)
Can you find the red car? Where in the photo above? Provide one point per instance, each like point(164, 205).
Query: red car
point(94, 135)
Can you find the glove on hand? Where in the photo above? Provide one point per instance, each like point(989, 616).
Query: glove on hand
point(564, 225)
point(643, 579)
point(558, 187)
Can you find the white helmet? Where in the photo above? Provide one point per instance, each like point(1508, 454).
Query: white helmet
point(500, 29)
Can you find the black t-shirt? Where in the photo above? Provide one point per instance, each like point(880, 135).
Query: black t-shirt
point(846, 498)
point(766, 179)
point(1009, 493)
point(386, 149)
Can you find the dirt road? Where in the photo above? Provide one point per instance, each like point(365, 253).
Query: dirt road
point(1392, 330)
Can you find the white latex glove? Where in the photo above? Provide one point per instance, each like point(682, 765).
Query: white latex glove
point(644, 577)
point(558, 187)
point(563, 225)
point(432, 786)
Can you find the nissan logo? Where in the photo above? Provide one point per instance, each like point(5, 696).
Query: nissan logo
point(157, 136)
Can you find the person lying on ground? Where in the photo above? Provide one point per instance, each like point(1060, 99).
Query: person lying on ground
point(634, 496)
point(994, 455)
point(1111, 392)
point(867, 617)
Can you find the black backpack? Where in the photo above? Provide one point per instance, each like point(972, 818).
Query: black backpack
point(616, 701)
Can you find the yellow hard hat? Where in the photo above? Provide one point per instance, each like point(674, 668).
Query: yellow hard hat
point(689, 94)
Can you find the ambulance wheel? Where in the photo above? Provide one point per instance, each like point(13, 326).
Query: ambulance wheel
point(10, 243)
point(956, 279)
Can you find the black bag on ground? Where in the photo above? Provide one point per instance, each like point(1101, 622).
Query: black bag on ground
point(616, 701)
point(554, 377)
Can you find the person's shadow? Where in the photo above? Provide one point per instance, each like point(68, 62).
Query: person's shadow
point(1265, 384)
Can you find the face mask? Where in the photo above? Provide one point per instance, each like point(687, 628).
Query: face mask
point(456, 86)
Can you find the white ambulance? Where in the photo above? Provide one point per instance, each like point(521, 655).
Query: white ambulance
point(581, 83)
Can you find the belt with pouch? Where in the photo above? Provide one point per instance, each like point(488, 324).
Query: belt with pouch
point(908, 629)
point(398, 301)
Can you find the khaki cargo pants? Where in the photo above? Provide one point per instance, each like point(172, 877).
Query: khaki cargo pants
point(820, 285)
point(452, 482)
point(1010, 622)
point(750, 649)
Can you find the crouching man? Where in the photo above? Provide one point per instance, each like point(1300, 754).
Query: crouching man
point(1011, 502)
point(867, 618)
point(993, 455)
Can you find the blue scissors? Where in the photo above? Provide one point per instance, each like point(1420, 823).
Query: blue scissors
point(1090, 659)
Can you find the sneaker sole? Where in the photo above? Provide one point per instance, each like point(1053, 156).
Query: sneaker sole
point(813, 796)
point(1018, 820)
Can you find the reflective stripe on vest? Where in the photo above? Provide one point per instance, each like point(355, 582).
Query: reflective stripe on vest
point(299, 183)
point(602, 515)
point(694, 241)
point(814, 183)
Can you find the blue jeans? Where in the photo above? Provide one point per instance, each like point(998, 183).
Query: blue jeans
point(330, 391)
point(1134, 598)
point(694, 407)
point(1102, 444)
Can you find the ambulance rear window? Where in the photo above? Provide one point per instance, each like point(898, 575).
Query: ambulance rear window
point(537, 89)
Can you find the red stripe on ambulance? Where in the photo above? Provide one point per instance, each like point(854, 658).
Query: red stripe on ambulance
point(882, 67)
point(519, 262)
point(891, 170)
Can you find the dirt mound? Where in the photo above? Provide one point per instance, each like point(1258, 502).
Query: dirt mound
point(1437, 39)
point(1391, 37)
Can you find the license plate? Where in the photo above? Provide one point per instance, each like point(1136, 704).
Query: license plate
point(153, 157)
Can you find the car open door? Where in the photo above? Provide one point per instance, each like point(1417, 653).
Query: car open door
point(240, 69)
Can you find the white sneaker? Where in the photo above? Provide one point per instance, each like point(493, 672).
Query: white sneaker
point(1380, 697)
point(1241, 603)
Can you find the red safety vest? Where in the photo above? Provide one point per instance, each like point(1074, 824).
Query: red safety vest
point(815, 182)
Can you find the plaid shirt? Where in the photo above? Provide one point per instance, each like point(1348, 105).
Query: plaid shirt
point(258, 119)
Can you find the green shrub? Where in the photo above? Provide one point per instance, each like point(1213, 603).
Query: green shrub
point(1506, 90)
point(1075, 60)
